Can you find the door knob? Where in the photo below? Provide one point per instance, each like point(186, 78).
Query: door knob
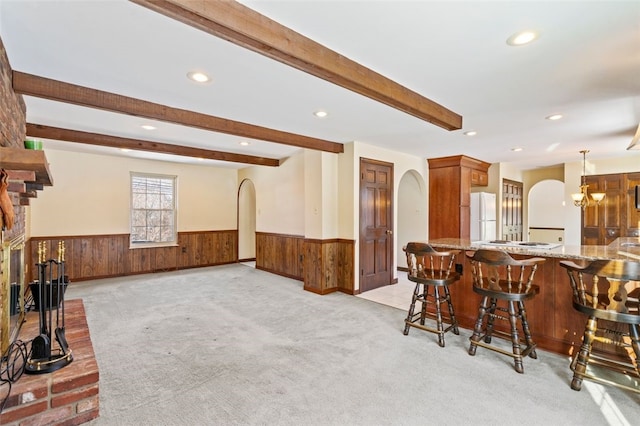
point(389, 232)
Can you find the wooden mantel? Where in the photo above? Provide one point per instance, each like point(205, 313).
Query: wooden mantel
point(20, 159)
point(28, 171)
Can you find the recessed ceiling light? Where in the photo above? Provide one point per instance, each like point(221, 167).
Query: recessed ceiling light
point(321, 114)
point(471, 133)
point(148, 127)
point(245, 143)
point(125, 149)
point(523, 37)
point(517, 149)
point(554, 117)
point(198, 76)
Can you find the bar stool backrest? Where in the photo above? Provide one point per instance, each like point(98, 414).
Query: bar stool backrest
point(423, 261)
point(497, 270)
point(609, 288)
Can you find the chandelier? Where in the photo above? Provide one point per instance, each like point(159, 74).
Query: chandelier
point(581, 199)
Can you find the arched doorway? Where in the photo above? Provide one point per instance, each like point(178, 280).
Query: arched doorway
point(412, 212)
point(246, 221)
point(546, 212)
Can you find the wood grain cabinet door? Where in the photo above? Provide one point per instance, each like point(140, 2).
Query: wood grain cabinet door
point(632, 214)
point(616, 216)
point(612, 208)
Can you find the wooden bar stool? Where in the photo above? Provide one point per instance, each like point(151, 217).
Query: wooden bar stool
point(501, 279)
point(432, 271)
point(607, 292)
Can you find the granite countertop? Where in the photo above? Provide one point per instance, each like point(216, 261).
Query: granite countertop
point(625, 248)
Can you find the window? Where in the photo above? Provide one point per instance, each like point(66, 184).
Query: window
point(153, 210)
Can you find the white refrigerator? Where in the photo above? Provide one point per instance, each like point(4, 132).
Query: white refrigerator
point(483, 216)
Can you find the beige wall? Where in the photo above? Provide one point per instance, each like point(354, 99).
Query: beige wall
point(321, 195)
point(280, 197)
point(347, 174)
point(91, 195)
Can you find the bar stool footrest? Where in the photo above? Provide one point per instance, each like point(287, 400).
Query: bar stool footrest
point(430, 329)
point(616, 373)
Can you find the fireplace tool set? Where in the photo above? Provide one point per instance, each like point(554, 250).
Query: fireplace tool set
point(48, 297)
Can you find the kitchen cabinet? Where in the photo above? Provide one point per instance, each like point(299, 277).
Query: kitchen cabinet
point(616, 215)
point(479, 177)
point(450, 181)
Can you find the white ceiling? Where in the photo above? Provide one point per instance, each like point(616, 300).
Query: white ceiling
point(585, 65)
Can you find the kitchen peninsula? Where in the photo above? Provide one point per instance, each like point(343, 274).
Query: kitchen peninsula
point(555, 325)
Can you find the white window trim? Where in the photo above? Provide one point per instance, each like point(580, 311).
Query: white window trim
point(174, 243)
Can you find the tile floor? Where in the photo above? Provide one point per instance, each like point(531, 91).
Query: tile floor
point(396, 295)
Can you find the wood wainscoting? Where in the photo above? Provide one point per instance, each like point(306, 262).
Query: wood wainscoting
point(325, 266)
point(101, 256)
point(280, 254)
point(329, 266)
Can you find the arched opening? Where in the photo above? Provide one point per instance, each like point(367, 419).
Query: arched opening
point(546, 212)
point(412, 212)
point(246, 221)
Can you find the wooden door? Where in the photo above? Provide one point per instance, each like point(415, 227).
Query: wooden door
point(376, 224)
point(511, 210)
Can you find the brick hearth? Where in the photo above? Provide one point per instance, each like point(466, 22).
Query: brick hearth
point(68, 396)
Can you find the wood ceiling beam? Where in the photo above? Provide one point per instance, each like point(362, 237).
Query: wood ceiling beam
point(245, 27)
point(31, 85)
point(56, 133)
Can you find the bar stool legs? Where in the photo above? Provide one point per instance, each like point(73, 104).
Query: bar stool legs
point(482, 336)
point(527, 332)
point(418, 319)
point(477, 330)
point(412, 307)
point(432, 272)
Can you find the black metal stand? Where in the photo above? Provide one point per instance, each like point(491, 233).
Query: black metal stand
point(51, 286)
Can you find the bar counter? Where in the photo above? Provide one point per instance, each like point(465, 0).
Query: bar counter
point(626, 248)
point(555, 325)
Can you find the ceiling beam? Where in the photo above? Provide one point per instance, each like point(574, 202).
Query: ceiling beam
point(40, 87)
point(56, 133)
point(245, 27)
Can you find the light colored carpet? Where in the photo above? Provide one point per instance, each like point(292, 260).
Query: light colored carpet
point(232, 345)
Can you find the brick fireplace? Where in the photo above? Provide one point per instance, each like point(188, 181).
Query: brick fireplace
point(70, 395)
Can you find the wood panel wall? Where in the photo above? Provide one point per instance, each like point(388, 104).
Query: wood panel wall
point(101, 256)
point(280, 254)
point(328, 263)
point(329, 266)
point(324, 265)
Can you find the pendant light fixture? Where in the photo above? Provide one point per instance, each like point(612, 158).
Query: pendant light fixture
point(581, 199)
